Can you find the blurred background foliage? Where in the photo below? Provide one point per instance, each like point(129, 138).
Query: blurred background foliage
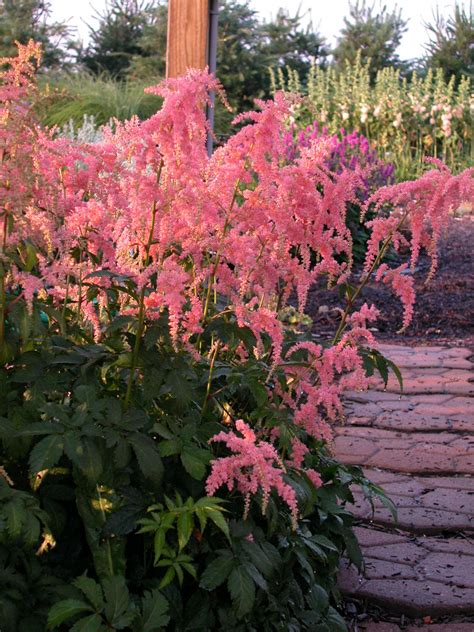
point(126, 51)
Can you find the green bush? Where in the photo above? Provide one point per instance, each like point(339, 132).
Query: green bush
point(104, 492)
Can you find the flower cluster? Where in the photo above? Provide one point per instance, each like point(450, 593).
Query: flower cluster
point(144, 215)
point(253, 467)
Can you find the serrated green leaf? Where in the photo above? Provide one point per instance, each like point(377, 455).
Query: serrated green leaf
point(304, 563)
point(117, 600)
point(324, 542)
point(85, 455)
point(397, 372)
point(148, 458)
point(14, 513)
point(256, 575)
point(7, 429)
point(216, 573)
point(190, 569)
point(64, 610)
point(179, 574)
point(218, 519)
point(209, 501)
point(242, 590)
point(195, 460)
point(317, 599)
point(40, 428)
point(154, 611)
point(259, 557)
point(168, 578)
point(335, 622)
point(185, 528)
point(317, 550)
point(46, 453)
point(119, 323)
point(31, 530)
point(122, 453)
point(159, 542)
point(353, 548)
point(163, 431)
point(382, 367)
point(91, 623)
point(200, 512)
point(91, 590)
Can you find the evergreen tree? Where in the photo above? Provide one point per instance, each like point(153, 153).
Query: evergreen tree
point(240, 64)
point(118, 40)
point(247, 48)
point(130, 42)
point(22, 20)
point(375, 33)
point(451, 45)
point(287, 43)
point(150, 62)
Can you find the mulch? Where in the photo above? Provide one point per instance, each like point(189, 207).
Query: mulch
point(444, 311)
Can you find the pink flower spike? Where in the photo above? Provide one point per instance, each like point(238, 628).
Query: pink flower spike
point(254, 467)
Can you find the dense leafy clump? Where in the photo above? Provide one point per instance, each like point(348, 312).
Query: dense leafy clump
point(165, 429)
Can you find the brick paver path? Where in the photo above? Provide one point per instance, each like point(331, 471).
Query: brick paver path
point(420, 448)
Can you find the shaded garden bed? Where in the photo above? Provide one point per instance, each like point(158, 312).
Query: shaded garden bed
point(444, 309)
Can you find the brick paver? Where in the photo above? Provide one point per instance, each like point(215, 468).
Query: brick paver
point(419, 447)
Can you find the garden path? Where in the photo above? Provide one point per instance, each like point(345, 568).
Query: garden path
point(420, 448)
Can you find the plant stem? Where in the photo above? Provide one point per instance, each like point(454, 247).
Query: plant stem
point(209, 380)
point(110, 561)
point(62, 324)
point(141, 303)
point(3, 294)
point(218, 258)
point(378, 259)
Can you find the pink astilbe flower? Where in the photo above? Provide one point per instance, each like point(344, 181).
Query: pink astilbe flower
point(363, 316)
point(423, 207)
point(254, 466)
point(403, 287)
point(298, 453)
point(316, 387)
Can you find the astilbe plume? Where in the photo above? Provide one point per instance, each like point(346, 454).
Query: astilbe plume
point(251, 469)
point(16, 138)
point(420, 213)
point(244, 228)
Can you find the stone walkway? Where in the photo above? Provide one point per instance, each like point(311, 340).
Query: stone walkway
point(420, 448)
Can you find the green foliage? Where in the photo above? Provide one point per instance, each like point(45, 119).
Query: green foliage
point(375, 35)
point(123, 34)
point(127, 53)
point(22, 20)
point(108, 606)
point(181, 516)
point(70, 97)
point(405, 118)
point(247, 48)
point(450, 47)
point(114, 495)
point(149, 63)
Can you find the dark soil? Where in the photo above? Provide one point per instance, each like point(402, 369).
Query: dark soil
point(444, 310)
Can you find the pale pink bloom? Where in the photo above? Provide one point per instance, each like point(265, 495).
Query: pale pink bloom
point(253, 467)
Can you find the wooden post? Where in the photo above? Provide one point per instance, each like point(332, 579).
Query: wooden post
point(188, 35)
